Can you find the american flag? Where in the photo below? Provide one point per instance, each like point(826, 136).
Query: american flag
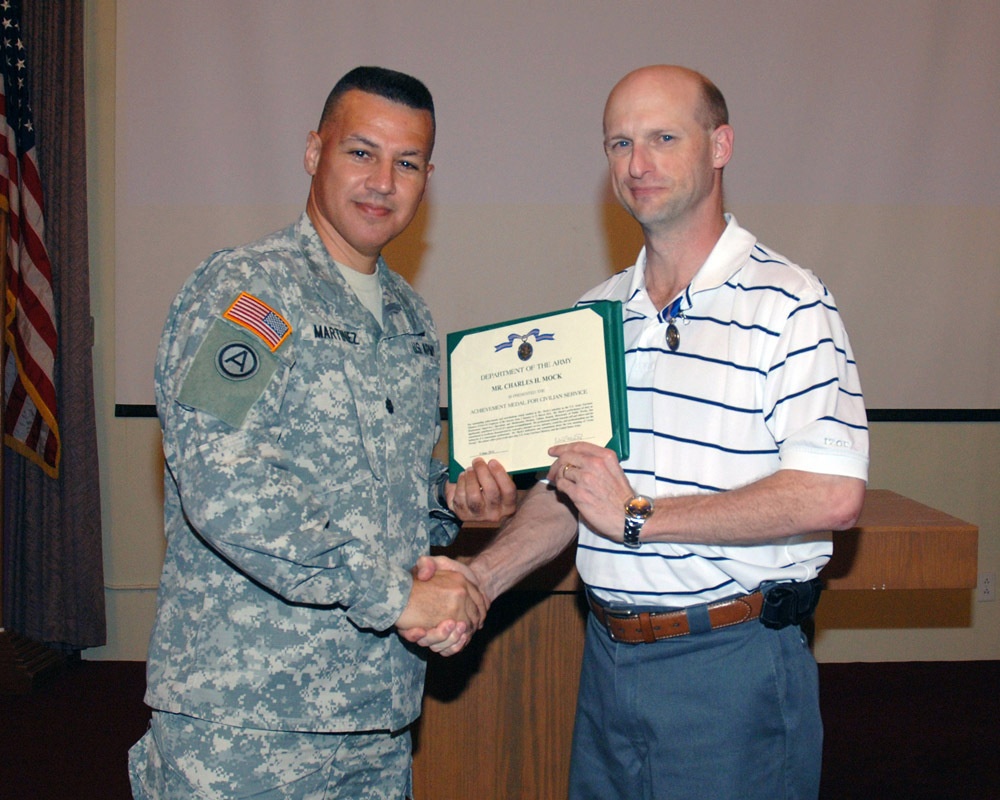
point(257, 316)
point(29, 395)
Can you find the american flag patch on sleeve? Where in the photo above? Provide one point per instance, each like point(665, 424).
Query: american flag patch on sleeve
point(259, 318)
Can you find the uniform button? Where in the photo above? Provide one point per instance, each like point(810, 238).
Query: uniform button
point(388, 405)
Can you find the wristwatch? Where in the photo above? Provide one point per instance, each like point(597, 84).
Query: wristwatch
point(638, 509)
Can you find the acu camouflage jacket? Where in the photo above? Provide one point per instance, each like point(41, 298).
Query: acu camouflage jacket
point(299, 491)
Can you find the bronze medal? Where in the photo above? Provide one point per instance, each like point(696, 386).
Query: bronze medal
point(673, 337)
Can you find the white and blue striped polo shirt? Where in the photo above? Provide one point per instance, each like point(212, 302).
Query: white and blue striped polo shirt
point(763, 379)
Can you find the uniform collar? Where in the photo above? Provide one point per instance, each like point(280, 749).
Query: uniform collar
point(397, 315)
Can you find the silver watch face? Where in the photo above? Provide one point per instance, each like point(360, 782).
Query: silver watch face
point(639, 507)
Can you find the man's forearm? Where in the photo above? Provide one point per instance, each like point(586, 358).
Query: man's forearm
point(544, 525)
point(784, 504)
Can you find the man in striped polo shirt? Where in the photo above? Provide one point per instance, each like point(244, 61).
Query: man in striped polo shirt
point(748, 440)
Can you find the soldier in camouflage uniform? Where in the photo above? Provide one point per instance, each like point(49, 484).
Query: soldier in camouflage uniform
point(297, 387)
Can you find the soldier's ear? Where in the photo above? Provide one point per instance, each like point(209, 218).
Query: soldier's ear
point(314, 149)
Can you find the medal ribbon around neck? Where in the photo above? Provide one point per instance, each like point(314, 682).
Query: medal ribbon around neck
point(673, 334)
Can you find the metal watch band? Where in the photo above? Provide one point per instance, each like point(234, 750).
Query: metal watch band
point(633, 527)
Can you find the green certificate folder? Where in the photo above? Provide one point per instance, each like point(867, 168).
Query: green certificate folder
point(517, 388)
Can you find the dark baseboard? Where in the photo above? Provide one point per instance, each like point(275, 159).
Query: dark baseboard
point(893, 730)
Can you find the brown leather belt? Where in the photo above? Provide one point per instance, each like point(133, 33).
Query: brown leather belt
point(652, 626)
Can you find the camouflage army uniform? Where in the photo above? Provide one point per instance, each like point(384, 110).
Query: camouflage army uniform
point(299, 491)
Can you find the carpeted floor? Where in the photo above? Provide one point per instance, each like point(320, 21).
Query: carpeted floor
point(910, 730)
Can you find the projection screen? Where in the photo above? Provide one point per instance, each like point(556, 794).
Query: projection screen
point(864, 151)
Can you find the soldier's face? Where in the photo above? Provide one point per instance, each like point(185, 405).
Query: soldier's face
point(369, 165)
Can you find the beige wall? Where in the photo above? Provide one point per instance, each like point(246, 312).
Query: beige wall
point(951, 466)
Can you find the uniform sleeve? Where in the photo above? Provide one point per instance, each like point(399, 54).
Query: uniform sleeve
point(444, 523)
point(241, 491)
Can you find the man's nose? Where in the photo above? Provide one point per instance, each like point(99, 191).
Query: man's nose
point(638, 162)
point(382, 178)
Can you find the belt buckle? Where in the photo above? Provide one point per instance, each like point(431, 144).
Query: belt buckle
point(617, 616)
point(626, 616)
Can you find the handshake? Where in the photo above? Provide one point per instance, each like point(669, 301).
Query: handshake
point(447, 605)
point(449, 599)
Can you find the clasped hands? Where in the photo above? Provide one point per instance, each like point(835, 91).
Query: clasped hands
point(445, 597)
point(589, 475)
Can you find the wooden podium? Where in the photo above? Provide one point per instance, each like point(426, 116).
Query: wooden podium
point(498, 717)
point(901, 544)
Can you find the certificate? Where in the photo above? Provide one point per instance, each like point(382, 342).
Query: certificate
point(517, 388)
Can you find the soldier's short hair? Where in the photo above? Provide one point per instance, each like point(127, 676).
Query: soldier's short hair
point(388, 83)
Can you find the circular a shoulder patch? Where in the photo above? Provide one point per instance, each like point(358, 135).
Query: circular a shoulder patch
point(237, 361)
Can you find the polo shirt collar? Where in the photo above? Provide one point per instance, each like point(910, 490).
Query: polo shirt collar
point(728, 256)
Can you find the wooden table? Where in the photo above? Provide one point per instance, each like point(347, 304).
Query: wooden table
point(498, 717)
